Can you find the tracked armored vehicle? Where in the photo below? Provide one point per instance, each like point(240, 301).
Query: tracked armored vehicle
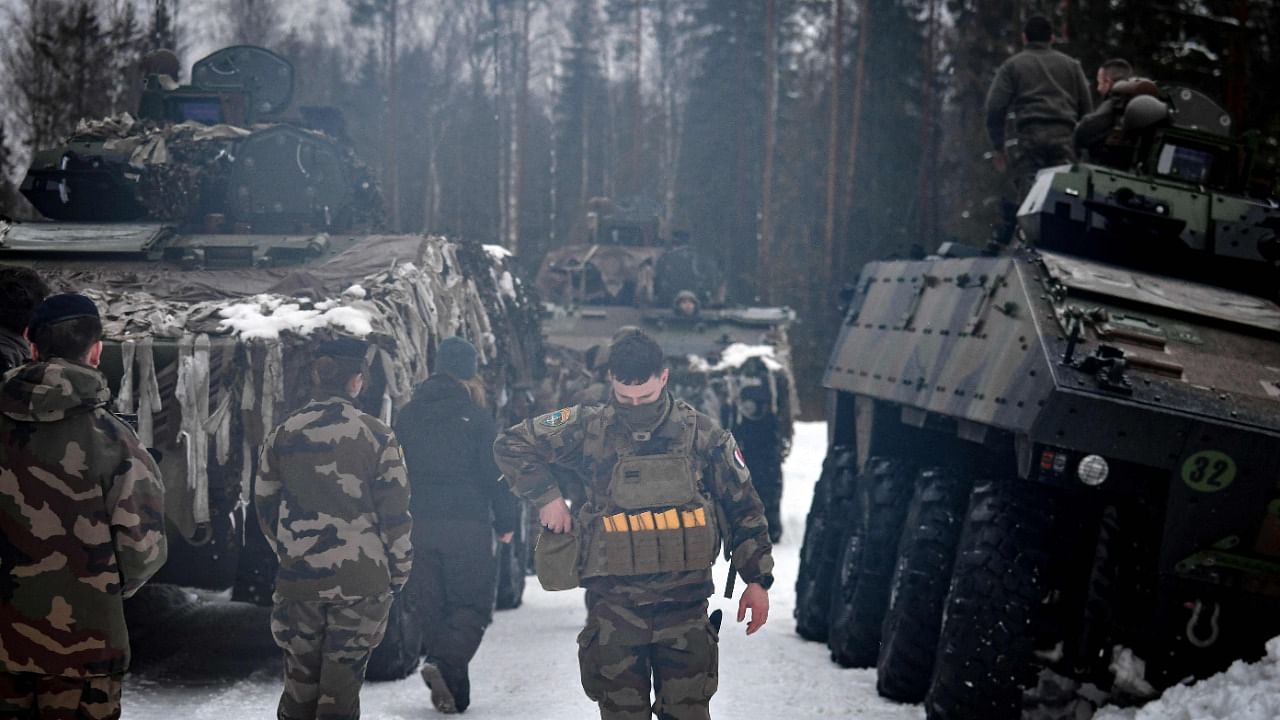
point(221, 241)
point(730, 361)
point(1055, 463)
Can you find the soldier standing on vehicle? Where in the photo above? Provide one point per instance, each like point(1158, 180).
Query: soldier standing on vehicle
point(1047, 92)
point(21, 290)
point(81, 523)
point(663, 484)
point(460, 506)
point(333, 500)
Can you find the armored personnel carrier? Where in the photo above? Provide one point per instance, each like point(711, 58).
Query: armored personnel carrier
point(729, 361)
point(1054, 466)
point(221, 242)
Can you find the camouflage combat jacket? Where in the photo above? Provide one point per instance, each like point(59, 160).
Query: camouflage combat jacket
point(333, 500)
point(81, 522)
point(527, 452)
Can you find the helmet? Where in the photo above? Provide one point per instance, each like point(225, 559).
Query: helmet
point(1144, 111)
point(682, 297)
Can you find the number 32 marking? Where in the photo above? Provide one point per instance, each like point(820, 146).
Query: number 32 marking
point(1208, 471)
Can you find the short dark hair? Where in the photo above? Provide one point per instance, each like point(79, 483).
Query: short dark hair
point(1038, 29)
point(1117, 69)
point(21, 290)
point(634, 358)
point(333, 372)
point(68, 339)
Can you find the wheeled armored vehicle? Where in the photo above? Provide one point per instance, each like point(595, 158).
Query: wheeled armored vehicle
point(221, 241)
point(1054, 467)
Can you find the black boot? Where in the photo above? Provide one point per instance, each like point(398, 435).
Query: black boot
point(460, 685)
point(441, 694)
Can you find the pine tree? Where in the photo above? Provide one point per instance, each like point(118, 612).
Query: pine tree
point(580, 118)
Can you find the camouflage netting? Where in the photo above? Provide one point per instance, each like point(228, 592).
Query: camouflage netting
point(209, 361)
point(183, 170)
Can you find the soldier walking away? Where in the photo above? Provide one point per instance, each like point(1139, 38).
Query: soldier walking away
point(81, 524)
point(21, 290)
point(1047, 92)
point(664, 483)
point(333, 500)
point(460, 506)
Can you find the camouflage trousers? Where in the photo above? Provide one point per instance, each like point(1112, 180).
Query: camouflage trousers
point(623, 648)
point(1040, 145)
point(326, 650)
point(49, 697)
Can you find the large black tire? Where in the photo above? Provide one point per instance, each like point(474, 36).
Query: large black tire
point(994, 608)
point(401, 647)
point(926, 553)
point(860, 590)
point(829, 513)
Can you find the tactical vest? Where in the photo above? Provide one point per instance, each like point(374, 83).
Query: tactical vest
point(655, 515)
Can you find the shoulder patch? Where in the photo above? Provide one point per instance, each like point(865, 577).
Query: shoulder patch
point(557, 418)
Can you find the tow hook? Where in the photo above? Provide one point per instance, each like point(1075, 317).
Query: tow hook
point(1192, 633)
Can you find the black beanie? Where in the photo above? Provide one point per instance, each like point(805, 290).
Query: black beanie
point(57, 308)
point(456, 357)
point(343, 347)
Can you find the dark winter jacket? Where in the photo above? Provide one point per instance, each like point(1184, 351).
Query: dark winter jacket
point(448, 442)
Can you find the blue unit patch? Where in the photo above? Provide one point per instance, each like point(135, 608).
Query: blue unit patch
point(557, 418)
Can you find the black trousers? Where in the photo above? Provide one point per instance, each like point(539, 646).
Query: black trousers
point(454, 581)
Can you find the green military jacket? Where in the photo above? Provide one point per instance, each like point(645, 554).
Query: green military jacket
point(81, 522)
point(527, 453)
point(1038, 84)
point(333, 499)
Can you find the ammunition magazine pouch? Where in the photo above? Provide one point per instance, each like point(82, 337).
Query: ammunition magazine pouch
point(654, 519)
point(556, 559)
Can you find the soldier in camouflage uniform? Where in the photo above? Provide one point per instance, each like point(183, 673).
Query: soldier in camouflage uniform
point(81, 524)
point(644, 457)
point(333, 500)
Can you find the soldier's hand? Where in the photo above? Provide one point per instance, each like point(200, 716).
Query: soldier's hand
point(555, 516)
point(1000, 161)
point(756, 598)
point(505, 538)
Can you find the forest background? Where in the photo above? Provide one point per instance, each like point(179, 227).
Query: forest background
point(792, 139)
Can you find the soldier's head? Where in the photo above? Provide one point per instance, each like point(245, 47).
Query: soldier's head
point(66, 326)
point(636, 369)
point(686, 303)
point(21, 290)
point(1037, 29)
point(1112, 72)
point(339, 367)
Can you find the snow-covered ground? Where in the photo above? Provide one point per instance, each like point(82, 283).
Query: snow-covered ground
point(527, 668)
point(1244, 691)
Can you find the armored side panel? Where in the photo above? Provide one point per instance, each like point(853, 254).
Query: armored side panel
point(1074, 357)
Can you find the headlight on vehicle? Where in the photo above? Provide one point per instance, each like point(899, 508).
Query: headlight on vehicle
point(1092, 470)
